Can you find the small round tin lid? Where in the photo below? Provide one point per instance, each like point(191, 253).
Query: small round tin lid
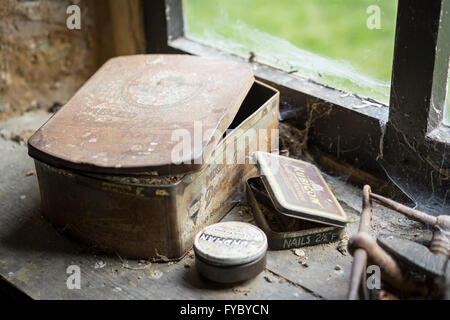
point(230, 243)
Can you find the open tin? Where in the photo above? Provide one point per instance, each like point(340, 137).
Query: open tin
point(105, 161)
point(292, 203)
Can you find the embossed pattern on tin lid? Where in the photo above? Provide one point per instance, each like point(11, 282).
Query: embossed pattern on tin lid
point(230, 243)
point(123, 119)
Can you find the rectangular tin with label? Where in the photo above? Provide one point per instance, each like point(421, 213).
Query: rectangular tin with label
point(104, 163)
point(293, 204)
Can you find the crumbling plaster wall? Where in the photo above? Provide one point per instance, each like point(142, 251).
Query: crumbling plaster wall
point(42, 62)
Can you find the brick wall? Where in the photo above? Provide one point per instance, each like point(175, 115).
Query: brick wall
point(42, 62)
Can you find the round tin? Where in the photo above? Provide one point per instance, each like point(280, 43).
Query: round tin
point(230, 251)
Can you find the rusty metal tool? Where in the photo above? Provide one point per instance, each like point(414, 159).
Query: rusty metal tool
point(432, 261)
point(414, 255)
point(440, 244)
point(418, 258)
point(364, 249)
point(359, 254)
point(391, 272)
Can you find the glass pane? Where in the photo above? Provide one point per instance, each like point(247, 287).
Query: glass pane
point(447, 103)
point(347, 44)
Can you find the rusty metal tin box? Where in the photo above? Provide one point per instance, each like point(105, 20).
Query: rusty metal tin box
point(105, 161)
point(292, 203)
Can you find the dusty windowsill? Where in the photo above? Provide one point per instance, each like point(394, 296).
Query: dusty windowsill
point(35, 256)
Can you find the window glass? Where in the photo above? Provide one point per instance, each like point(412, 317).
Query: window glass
point(346, 44)
point(447, 103)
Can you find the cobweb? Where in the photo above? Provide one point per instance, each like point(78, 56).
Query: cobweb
point(238, 38)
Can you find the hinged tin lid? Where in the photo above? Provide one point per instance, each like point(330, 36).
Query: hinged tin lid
point(297, 189)
point(136, 113)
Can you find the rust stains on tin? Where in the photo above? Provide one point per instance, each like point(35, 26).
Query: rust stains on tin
point(123, 118)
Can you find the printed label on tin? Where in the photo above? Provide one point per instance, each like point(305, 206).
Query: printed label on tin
point(230, 243)
point(300, 189)
point(305, 240)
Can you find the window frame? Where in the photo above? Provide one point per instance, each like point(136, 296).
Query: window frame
point(369, 136)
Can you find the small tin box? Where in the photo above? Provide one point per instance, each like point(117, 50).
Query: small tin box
point(229, 252)
point(292, 203)
point(112, 165)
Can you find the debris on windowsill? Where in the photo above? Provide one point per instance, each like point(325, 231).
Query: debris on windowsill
point(252, 56)
point(29, 173)
point(55, 107)
point(5, 134)
point(241, 290)
point(99, 264)
point(292, 140)
point(366, 104)
point(269, 279)
point(342, 245)
point(160, 257)
point(303, 263)
point(20, 137)
point(244, 209)
point(245, 212)
point(299, 253)
point(155, 275)
point(141, 266)
point(347, 94)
